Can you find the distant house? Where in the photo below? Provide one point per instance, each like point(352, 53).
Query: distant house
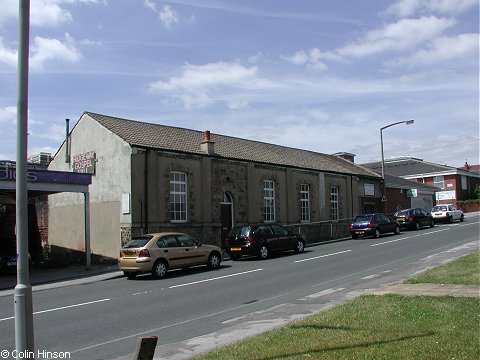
point(453, 184)
point(148, 177)
point(405, 194)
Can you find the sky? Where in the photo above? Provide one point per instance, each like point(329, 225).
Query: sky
point(317, 75)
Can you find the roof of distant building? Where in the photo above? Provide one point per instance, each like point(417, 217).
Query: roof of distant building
point(412, 167)
point(161, 137)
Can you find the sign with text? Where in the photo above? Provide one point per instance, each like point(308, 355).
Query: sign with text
point(84, 163)
point(369, 189)
point(412, 193)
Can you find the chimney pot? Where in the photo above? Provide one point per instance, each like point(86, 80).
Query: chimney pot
point(206, 135)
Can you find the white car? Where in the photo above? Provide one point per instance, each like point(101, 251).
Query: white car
point(446, 213)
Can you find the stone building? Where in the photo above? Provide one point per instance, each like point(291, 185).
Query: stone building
point(148, 177)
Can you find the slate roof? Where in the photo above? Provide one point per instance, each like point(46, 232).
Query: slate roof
point(409, 166)
point(161, 137)
point(397, 182)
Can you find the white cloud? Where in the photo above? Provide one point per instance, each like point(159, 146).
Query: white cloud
point(403, 35)
point(459, 47)
point(167, 15)
point(44, 50)
point(43, 13)
point(312, 59)
point(404, 8)
point(7, 56)
point(47, 13)
point(193, 87)
point(54, 132)
point(209, 75)
point(8, 114)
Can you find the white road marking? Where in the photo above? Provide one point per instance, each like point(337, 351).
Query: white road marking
point(408, 237)
point(321, 293)
point(215, 278)
point(322, 256)
point(61, 308)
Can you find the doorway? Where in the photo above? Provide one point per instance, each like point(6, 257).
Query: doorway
point(226, 214)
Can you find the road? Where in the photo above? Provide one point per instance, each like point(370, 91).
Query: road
point(193, 310)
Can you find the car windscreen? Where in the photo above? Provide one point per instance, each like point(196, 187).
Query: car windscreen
point(137, 242)
point(240, 231)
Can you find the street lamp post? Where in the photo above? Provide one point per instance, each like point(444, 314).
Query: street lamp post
point(384, 195)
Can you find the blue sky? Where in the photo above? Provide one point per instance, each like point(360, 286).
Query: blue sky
point(311, 74)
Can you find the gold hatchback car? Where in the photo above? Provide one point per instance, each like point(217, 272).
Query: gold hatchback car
point(158, 252)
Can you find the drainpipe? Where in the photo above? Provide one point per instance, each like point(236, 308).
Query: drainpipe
point(67, 141)
point(145, 199)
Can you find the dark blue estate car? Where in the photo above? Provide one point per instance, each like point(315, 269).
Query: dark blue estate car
point(373, 225)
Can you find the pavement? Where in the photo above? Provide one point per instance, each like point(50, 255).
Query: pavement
point(41, 278)
point(431, 290)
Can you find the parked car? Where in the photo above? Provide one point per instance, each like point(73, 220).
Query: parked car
point(414, 218)
point(373, 225)
point(447, 213)
point(159, 252)
point(8, 263)
point(261, 240)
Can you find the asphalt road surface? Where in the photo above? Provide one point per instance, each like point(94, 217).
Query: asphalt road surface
point(194, 310)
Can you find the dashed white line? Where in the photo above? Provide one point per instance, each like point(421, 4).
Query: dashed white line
point(61, 308)
point(215, 278)
point(322, 256)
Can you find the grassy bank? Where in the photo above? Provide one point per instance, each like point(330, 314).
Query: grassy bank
point(379, 327)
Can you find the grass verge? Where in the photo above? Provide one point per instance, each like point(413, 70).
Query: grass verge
point(379, 327)
point(462, 271)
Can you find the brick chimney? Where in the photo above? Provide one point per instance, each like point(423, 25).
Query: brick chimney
point(207, 145)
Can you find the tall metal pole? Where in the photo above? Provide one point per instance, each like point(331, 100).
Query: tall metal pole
point(384, 189)
point(384, 192)
point(23, 289)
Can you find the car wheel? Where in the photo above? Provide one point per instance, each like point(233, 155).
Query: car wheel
point(462, 218)
point(376, 234)
point(130, 275)
point(159, 269)
point(263, 252)
point(235, 256)
point(300, 246)
point(450, 219)
point(432, 223)
point(214, 261)
point(397, 230)
point(354, 237)
point(417, 226)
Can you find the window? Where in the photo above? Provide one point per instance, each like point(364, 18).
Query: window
point(464, 182)
point(268, 201)
point(305, 203)
point(186, 241)
point(178, 196)
point(438, 181)
point(334, 203)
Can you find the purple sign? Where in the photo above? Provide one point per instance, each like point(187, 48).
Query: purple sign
point(8, 173)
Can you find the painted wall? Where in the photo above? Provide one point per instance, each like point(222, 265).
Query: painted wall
point(111, 179)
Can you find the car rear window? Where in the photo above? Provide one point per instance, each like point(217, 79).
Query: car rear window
point(362, 218)
point(137, 242)
point(439, 208)
point(402, 213)
point(240, 231)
